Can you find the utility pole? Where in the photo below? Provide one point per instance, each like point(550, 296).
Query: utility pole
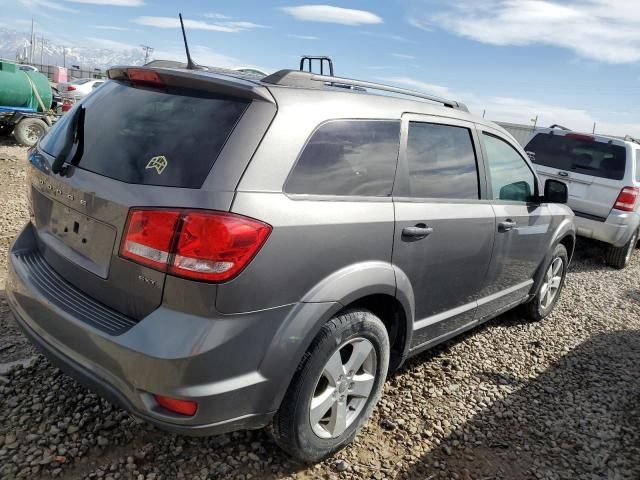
point(42, 52)
point(31, 43)
point(594, 128)
point(147, 51)
point(535, 122)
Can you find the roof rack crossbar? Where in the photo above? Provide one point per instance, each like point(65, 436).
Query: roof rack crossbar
point(305, 79)
point(629, 138)
point(555, 125)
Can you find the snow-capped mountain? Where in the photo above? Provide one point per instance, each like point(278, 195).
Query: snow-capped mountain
point(15, 44)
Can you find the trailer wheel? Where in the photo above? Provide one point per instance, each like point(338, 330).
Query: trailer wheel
point(29, 130)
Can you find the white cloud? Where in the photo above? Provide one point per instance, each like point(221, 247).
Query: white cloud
point(331, 14)
point(403, 56)
point(216, 16)
point(116, 3)
point(519, 110)
point(604, 30)
point(110, 27)
point(302, 37)
point(386, 36)
point(173, 22)
point(35, 5)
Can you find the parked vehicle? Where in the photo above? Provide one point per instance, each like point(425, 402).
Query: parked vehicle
point(217, 253)
point(28, 68)
point(25, 102)
point(80, 88)
point(603, 177)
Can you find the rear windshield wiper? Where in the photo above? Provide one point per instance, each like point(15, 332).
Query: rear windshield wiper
point(75, 134)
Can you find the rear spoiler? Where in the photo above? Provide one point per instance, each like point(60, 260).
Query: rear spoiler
point(214, 82)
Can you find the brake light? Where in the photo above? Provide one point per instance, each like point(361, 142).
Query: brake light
point(70, 88)
point(197, 244)
point(144, 77)
point(627, 199)
point(579, 136)
point(175, 405)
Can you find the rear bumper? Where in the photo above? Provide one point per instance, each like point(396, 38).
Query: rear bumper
point(616, 230)
point(214, 361)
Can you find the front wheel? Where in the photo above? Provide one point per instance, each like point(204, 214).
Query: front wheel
point(335, 388)
point(551, 286)
point(618, 257)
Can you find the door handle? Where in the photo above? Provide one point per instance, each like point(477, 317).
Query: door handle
point(418, 232)
point(506, 225)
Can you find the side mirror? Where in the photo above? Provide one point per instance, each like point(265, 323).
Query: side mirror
point(555, 192)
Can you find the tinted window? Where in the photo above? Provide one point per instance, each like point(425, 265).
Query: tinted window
point(511, 178)
point(578, 153)
point(125, 128)
point(348, 157)
point(442, 162)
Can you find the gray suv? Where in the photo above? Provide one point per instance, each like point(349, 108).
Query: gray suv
point(216, 253)
point(603, 178)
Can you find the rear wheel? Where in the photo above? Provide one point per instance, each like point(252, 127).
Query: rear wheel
point(335, 388)
point(618, 257)
point(551, 286)
point(29, 130)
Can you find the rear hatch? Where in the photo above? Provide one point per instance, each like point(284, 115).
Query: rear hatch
point(592, 168)
point(150, 143)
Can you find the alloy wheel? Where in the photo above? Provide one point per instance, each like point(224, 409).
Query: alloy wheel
point(552, 281)
point(343, 388)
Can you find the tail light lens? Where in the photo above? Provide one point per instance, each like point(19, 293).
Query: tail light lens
point(144, 77)
point(70, 88)
point(195, 244)
point(627, 199)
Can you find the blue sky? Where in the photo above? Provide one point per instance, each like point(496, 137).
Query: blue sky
point(570, 62)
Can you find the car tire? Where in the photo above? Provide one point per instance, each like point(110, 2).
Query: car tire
point(29, 130)
point(619, 257)
point(551, 284)
point(354, 338)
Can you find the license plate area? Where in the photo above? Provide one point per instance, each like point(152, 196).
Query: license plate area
point(79, 238)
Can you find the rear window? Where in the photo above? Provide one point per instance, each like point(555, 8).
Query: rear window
point(170, 138)
point(583, 156)
point(348, 157)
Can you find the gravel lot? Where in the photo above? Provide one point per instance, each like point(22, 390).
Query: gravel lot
point(511, 399)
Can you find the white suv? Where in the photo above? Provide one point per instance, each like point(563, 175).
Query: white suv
point(603, 176)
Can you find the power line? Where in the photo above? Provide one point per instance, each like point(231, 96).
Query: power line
point(147, 51)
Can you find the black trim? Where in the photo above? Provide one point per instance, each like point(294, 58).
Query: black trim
point(588, 216)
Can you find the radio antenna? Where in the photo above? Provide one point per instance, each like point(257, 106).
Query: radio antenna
point(191, 65)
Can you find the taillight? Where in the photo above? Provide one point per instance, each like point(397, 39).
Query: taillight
point(70, 88)
point(627, 199)
point(144, 77)
point(196, 244)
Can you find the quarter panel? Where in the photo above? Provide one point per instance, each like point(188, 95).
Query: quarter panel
point(311, 240)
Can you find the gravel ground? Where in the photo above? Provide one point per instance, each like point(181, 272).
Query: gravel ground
point(510, 399)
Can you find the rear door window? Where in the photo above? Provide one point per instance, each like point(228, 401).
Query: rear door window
point(166, 137)
point(348, 158)
point(442, 162)
point(578, 153)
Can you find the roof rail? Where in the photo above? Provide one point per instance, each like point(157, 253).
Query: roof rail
point(629, 138)
point(555, 125)
point(295, 78)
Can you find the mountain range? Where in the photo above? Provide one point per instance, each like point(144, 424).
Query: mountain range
point(16, 45)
